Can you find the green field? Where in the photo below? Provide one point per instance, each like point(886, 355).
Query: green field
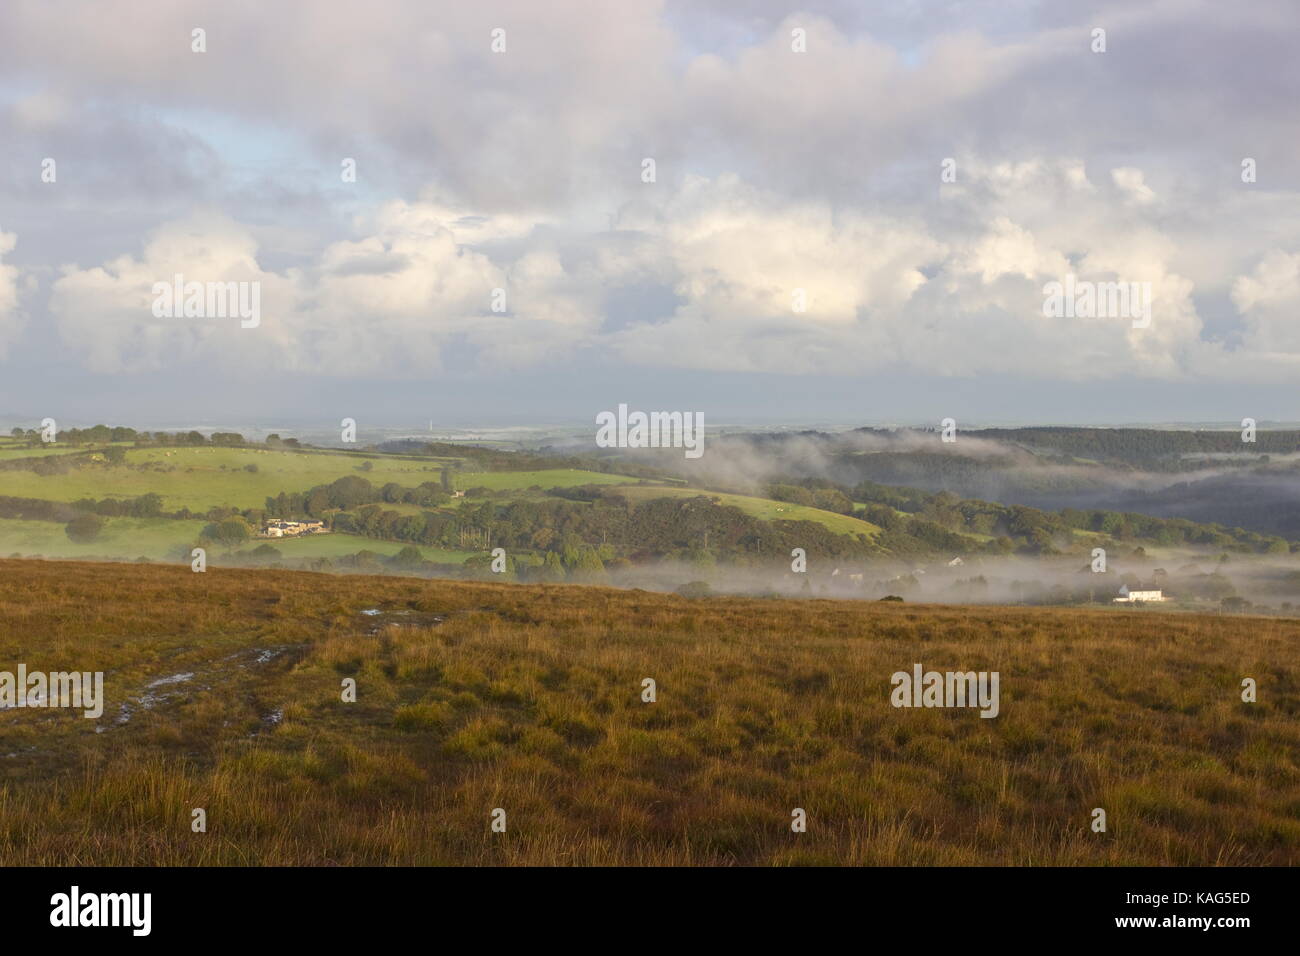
point(156, 538)
point(405, 509)
point(549, 478)
point(160, 539)
point(203, 478)
point(763, 508)
point(200, 478)
point(10, 451)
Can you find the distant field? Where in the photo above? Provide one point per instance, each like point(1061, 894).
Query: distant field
point(549, 478)
point(160, 539)
point(10, 451)
point(473, 696)
point(196, 479)
point(763, 508)
point(405, 509)
point(156, 538)
point(203, 478)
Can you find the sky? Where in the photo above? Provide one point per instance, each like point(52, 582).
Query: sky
point(855, 214)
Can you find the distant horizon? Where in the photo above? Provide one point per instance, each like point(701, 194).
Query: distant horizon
point(175, 425)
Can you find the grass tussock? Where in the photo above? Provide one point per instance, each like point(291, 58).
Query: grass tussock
point(473, 696)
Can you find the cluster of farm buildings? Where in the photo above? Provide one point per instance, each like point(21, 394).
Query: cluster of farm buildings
point(1126, 596)
point(281, 528)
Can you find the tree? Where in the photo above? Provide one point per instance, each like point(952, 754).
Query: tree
point(317, 503)
point(346, 492)
point(570, 550)
point(885, 517)
point(480, 565)
point(115, 454)
point(232, 532)
point(84, 528)
point(552, 568)
point(366, 561)
point(828, 499)
point(791, 493)
point(702, 559)
point(589, 568)
point(266, 553)
point(408, 558)
point(148, 505)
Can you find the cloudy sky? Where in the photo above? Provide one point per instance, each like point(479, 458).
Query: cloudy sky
point(775, 171)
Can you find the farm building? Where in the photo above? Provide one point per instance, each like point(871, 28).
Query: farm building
point(1139, 597)
point(281, 528)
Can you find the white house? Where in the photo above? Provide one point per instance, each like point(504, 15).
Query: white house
point(280, 528)
point(1139, 597)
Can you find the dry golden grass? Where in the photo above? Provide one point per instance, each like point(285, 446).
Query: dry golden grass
point(528, 698)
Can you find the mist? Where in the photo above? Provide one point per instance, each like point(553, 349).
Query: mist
point(1189, 579)
point(1248, 490)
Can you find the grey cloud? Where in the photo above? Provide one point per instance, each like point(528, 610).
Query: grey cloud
point(772, 167)
point(383, 264)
